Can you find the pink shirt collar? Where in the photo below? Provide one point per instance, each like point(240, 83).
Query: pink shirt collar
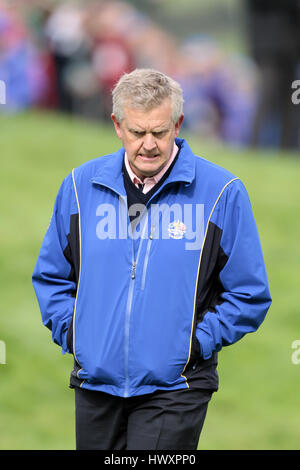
point(152, 180)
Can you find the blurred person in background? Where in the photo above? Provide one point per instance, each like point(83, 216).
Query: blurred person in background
point(274, 32)
point(111, 56)
point(201, 60)
point(70, 47)
point(22, 66)
point(143, 302)
point(219, 91)
point(149, 41)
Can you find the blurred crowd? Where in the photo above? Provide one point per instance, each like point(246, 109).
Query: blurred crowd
point(68, 55)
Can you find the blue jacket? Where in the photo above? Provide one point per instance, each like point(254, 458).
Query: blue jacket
point(149, 308)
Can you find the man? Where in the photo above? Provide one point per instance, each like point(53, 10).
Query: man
point(151, 264)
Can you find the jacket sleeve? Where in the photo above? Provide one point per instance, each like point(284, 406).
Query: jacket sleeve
point(54, 287)
point(245, 297)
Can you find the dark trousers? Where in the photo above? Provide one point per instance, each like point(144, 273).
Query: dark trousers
point(160, 420)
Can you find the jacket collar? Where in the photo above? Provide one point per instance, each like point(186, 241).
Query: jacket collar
point(109, 172)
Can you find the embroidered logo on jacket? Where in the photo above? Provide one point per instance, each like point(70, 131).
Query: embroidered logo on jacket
point(176, 230)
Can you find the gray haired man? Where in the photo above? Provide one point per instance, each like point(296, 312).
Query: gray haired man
point(143, 312)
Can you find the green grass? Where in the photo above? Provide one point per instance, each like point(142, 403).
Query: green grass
point(257, 406)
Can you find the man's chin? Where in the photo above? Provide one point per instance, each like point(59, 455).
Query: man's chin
point(147, 172)
point(148, 168)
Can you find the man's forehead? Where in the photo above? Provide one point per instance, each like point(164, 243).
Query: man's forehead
point(147, 125)
point(142, 119)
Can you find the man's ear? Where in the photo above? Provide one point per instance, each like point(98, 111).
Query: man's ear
point(178, 125)
point(117, 125)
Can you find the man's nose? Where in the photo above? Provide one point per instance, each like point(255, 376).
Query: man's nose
point(149, 142)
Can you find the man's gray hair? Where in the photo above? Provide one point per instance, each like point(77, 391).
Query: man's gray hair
point(145, 89)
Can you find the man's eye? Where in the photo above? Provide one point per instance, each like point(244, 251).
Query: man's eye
point(159, 134)
point(138, 133)
point(141, 133)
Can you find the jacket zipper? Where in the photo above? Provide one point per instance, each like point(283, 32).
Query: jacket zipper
point(127, 324)
point(129, 304)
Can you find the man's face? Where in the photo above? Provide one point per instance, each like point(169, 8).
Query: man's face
point(148, 137)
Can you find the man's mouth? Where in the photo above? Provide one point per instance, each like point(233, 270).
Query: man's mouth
point(147, 157)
